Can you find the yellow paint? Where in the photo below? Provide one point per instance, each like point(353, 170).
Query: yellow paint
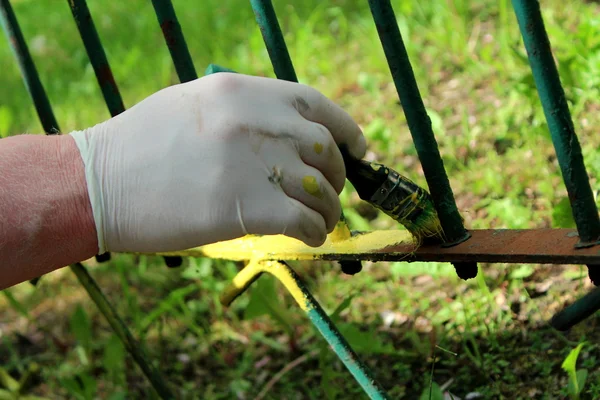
point(284, 274)
point(311, 186)
point(264, 254)
point(375, 167)
point(340, 232)
point(280, 247)
point(253, 270)
point(318, 148)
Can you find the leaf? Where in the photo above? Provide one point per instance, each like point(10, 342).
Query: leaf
point(335, 315)
point(6, 395)
point(8, 381)
point(81, 327)
point(72, 387)
point(263, 288)
point(366, 342)
point(118, 396)
point(569, 363)
point(16, 304)
point(170, 303)
point(264, 300)
point(562, 214)
point(582, 375)
point(88, 385)
point(433, 393)
point(114, 355)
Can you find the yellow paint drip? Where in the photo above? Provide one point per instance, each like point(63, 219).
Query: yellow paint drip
point(311, 186)
point(264, 254)
point(318, 148)
point(280, 247)
point(240, 282)
point(340, 232)
point(284, 274)
point(253, 270)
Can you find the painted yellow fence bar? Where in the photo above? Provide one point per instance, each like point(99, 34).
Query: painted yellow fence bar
point(279, 247)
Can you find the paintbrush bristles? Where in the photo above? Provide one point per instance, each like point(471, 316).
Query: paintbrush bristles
point(395, 195)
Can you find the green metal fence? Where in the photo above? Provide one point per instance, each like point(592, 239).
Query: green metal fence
point(464, 248)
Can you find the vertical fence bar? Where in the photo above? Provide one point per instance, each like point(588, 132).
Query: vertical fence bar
point(123, 333)
point(95, 52)
point(560, 123)
point(32, 80)
point(178, 48)
point(315, 313)
point(106, 81)
point(566, 145)
point(28, 70)
point(420, 128)
point(284, 69)
point(274, 41)
point(46, 115)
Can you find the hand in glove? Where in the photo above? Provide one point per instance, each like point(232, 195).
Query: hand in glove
point(215, 159)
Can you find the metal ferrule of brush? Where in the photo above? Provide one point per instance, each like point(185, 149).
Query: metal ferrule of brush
point(394, 197)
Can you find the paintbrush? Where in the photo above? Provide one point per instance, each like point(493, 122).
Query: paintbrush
point(395, 195)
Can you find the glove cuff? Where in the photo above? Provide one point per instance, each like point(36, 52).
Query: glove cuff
point(85, 144)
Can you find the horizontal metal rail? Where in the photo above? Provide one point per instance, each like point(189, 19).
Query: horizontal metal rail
point(538, 246)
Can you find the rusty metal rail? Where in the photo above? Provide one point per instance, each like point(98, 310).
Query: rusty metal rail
point(529, 246)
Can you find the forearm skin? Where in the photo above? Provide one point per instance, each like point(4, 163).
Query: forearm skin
point(46, 219)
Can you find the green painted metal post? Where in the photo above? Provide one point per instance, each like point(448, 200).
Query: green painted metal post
point(133, 347)
point(294, 285)
point(95, 52)
point(274, 41)
point(28, 70)
point(577, 312)
point(339, 345)
point(284, 69)
point(420, 128)
point(175, 41)
point(566, 145)
point(556, 110)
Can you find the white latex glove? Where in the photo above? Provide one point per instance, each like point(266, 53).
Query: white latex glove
point(215, 159)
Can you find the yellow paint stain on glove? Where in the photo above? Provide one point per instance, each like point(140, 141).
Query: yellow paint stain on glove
point(318, 148)
point(311, 186)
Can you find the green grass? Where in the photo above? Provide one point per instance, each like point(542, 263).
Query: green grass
point(473, 74)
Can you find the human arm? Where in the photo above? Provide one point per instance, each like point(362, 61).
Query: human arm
point(210, 160)
point(45, 213)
